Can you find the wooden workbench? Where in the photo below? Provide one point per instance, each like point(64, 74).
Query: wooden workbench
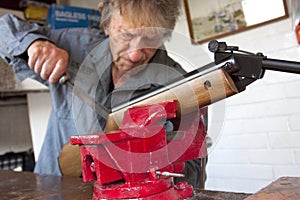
point(29, 186)
point(285, 188)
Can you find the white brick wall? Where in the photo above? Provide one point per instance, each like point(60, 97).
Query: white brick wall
point(260, 139)
point(261, 125)
point(256, 133)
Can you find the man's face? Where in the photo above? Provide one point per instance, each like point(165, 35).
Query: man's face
point(131, 45)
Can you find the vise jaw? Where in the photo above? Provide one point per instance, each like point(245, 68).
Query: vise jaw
point(139, 160)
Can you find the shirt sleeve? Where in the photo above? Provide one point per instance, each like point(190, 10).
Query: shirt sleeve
point(16, 37)
point(18, 34)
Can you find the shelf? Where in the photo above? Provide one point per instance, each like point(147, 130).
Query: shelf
point(14, 4)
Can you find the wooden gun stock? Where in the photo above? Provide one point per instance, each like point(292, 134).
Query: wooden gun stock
point(191, 95)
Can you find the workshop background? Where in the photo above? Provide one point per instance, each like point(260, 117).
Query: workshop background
point(255, 134)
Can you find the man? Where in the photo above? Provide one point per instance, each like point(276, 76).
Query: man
point(113, 69)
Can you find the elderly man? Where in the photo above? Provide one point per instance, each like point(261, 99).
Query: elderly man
point(124, 59)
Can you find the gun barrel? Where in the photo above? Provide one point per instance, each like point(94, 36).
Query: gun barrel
point(281, 65)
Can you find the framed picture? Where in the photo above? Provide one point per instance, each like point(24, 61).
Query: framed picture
point(212, 19)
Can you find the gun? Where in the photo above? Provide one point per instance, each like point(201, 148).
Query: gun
point(230, 73)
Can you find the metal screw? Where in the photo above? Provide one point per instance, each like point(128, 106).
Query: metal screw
point(207, 84)
point(170, 174)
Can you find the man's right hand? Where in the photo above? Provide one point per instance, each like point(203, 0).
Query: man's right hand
point(47, 60)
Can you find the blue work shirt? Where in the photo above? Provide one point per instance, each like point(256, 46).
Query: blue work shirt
point(90, 69)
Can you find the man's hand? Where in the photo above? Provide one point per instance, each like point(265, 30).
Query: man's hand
point(47, 60)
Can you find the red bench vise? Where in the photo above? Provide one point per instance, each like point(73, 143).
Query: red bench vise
point(139, 160)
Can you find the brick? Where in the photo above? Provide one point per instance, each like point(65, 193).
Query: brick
point(258, 125)
point(291, 53)
point(272, 157)
point(264, 109)
point(259, 92)
point(292, 89)
point(283, 107)
point(297, 155)
point(228, 157)
point(244, 142)
point(274, 77)
point(245, 111)
point(235, 185)
point(285, 140)
point(231, 171)
point(294, 122)
point(292, 171)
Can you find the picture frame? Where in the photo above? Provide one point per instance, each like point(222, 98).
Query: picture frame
point(212, 19)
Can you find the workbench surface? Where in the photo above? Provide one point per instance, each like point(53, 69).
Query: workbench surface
point(28, 186)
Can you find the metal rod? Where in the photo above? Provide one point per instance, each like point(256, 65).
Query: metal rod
point(281, 65)
point(86, 98)
point(170, 174)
